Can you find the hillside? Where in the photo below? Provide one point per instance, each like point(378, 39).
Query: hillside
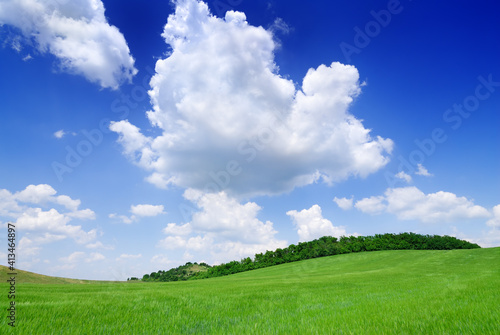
point(26, 277)
point(381, 292)
point(183, 272)
point(324, 246)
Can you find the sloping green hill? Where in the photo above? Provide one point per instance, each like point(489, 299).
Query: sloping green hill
point(25, 277)
point(383, 292)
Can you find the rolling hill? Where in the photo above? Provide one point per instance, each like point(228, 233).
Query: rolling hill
point(26, 277)
point(380, 292)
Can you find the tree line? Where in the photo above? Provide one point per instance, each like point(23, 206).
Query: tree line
point(182, 272)
point(324, 246)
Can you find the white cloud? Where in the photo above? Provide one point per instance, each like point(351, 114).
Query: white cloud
point(36, 194)
point(139, 211)
point(44, 217)
point(84, 214)
point(31, 245)
point(343, 203)
point(73, 258)
point(201, 243)
point(488, 238)
point(422, 171)
point(231, 122)
point(122, 218)
point(69, 203)
point(372, 205)
point(172, 242)
point(311, 225)
point(174, 229)
point(59, 134)
point(36, 219)
point(279, 26)
point(44, 194)
point(410, 203)
point(228, 218)
point(77, 33)
point(403, 175)
point(495, 221)
point(161, 261)
point(222, 228)
point(27, 247)
point(146, 210)
point(94, 257)
point(8, 204)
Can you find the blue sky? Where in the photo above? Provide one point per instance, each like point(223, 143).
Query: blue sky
point(138, 136)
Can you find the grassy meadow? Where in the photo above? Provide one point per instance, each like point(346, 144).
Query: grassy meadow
point(383, 292)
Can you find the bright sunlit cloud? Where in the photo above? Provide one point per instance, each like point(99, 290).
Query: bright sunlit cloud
point(311, 224)
point(220, 227)
point(224, 108)
point(410, 203)
point(77, 33)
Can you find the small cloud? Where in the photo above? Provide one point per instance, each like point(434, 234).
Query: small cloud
point(495, 221)
point(279, 25)
point(95, 256)
point(73, 258)
point(27, 58)
point(343, 203)
point(59, 134)
point(174, 229)
point(371, 205)
point(403, 175)
point(146, 210)
point(161, 260)
point(123, 218)
point(138, 212)
point(16, 45)
point(311, 224)
point(172, 242)
point(422, 171)
point(84, 214)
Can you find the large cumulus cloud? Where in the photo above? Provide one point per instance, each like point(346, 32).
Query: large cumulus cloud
point(229, 121)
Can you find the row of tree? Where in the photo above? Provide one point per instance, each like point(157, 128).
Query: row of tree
point(182, 272)
point(324, 246)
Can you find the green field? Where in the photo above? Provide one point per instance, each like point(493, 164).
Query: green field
point(383, 292)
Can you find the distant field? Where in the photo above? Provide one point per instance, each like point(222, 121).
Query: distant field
point(383, 292)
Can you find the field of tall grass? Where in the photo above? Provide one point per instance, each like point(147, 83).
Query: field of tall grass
point(383, 292)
